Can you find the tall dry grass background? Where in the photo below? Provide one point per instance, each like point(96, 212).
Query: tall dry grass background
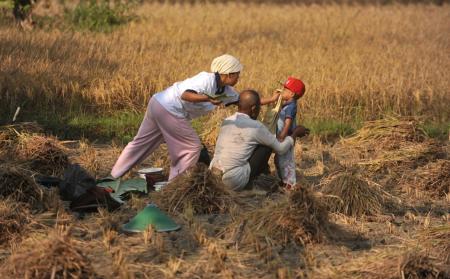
point(358, 62)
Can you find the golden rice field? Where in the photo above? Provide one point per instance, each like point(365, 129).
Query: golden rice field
point(358, 62)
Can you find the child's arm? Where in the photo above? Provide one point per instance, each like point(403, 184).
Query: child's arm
point(284, 132)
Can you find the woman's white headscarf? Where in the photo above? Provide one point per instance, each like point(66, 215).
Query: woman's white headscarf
point(226, 64)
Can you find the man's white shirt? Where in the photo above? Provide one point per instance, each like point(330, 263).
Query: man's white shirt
point(239, 136)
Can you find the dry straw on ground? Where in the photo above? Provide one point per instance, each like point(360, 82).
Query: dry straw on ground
point(11, 132)
point(23, 142)
point(17, 184)
point(399, 263)
point(9, 136)
point(198, 188)
point(43, 154)
point(434, 178)
point(348, 193)
point(97, 159)
point(436, 239)
point(89, 159)
point(57, 256)
point(386, 144)
point(415, 265)
point(299, 217)
point(408, 156)
point(389, 133)
point(14, 219)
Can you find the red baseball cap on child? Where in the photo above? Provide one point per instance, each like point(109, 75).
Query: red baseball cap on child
point(295, 85)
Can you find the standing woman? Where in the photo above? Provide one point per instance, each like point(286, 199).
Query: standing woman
point(169, 112)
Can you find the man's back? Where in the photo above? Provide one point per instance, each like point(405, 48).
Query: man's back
point(238, 138)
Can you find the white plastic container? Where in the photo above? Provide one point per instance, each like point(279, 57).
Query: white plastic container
point(150, 171)
point(159, 185)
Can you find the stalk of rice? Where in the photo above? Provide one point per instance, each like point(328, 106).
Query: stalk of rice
point(16, 183)
point(385, 144)
point(387, 263)
point(388, 133)
point(11, 132)
point(198, 188)
point(415, 265)
point(298, 217)
point(57, 256)
point(406, 156)
point(348, 193)
point(437, 240)
point(14, 219)
point(434, 178)
point(266, 182)
point(43, 154)
point(9, 135)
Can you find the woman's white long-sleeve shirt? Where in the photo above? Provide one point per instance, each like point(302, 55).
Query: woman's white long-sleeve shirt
point(202, 83)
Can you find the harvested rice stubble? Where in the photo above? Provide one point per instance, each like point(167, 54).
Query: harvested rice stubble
point(198, 188)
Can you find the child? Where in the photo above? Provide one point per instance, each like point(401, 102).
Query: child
point(293, 90)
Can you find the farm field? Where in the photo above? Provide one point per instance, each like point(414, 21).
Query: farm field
point(359, 63)
point(374, 174)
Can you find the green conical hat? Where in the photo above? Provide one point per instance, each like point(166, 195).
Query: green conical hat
point(150, 215)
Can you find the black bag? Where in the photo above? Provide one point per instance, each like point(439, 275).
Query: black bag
point(76, 182)
point(47, 181)
point(93, 199)
point(204, 156)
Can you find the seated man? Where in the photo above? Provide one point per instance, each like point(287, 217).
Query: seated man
point(244, 144)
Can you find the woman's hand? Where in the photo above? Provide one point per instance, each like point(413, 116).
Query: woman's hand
point(215, 102)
